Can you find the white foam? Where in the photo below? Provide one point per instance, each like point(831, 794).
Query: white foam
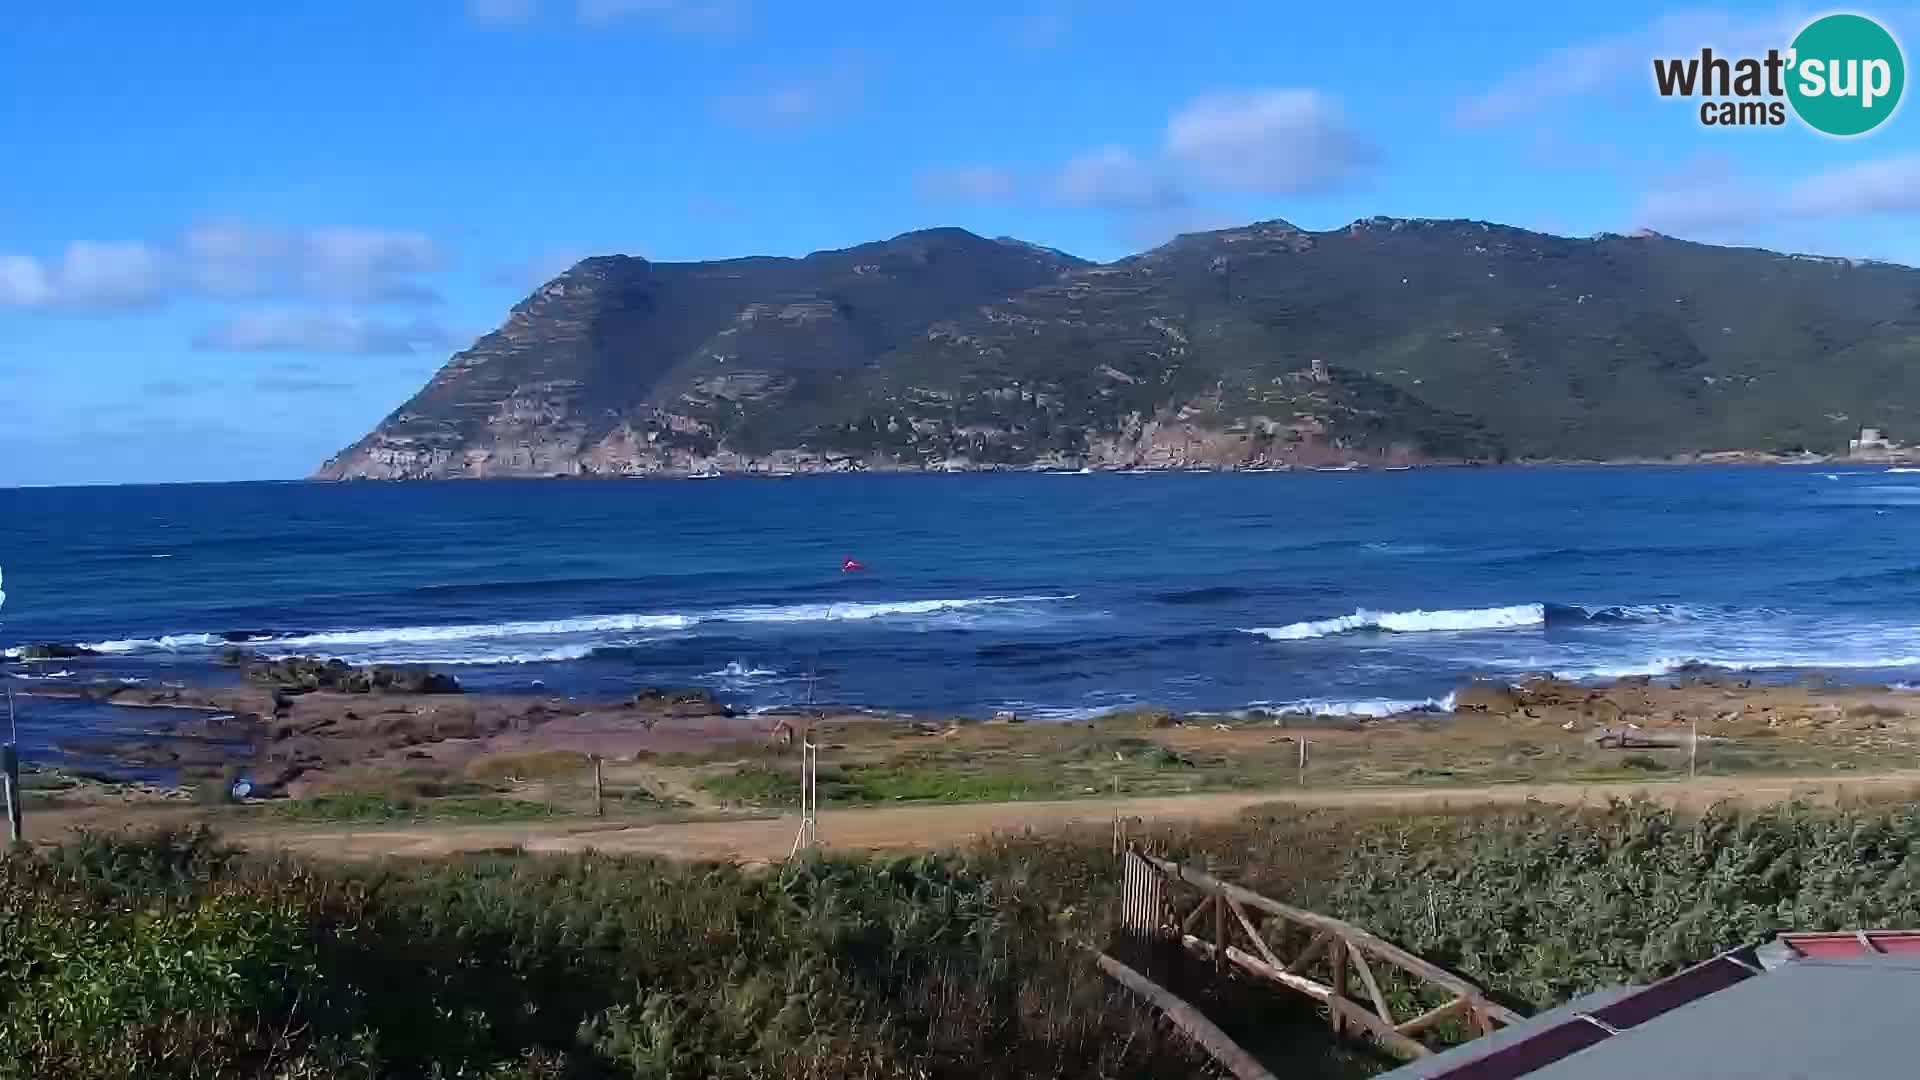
point(1368, 707)
point(394, 635)
point(1067, 714)
point(736, 670)
point(1903, 469)
point(1409, 622)
point(1673, 665)
point(62, 674)
point(328, 640)
point(547, 656)
point(163, 643)
point(859, 610)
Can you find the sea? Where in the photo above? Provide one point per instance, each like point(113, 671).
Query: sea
point(1054, 596)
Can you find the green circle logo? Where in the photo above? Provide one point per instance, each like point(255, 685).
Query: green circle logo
point(1847, 74)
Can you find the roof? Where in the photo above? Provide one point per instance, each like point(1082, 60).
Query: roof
point(1808, 1004)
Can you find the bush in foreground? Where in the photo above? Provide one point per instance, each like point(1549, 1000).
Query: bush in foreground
point(171, 956)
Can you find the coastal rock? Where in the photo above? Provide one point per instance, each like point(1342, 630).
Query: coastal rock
point(51, 650)
point(306, 673)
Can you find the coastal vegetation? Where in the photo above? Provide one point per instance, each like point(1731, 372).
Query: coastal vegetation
point(172, 955)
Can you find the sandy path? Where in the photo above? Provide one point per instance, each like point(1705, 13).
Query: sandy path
point(907, 828)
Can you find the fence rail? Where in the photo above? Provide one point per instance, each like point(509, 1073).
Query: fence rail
point(1349, 952)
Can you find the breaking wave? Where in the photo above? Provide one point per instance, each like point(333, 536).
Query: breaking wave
point(736, 670)
point(163, 643)
point(1617, 613)
point(1675, 665)
point(296, 641)
point(1409, 622)
point(1370, 707)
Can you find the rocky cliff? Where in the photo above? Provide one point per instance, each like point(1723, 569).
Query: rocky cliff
point(1388, 340)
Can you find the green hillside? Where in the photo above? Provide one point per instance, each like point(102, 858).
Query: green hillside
point(1436, 340)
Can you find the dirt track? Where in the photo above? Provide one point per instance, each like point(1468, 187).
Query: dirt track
point(922, 827)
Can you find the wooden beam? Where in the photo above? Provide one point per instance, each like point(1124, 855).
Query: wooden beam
point(1379, 947)
point(1313, 950)
point(1220, 904)
point(1253, 934)
point(1433, 1016)
point(1314, 990)
point(1373, 988)
point(1337, 956)
point(1342, 1007)
point(1193, 917)
point(1188, 1019)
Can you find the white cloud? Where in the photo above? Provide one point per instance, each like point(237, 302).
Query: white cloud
point(501, 12)
point(686, 16)
point(89, 276)
point(1887, 186)
point(1267, 142)
point(1713, 198)
point(1261, 142)
point(1112, 177)
point(24, 282)
point(291, 330)
point(1590, 67)
point(226, 261)
point(970, 183)
point(335, 263)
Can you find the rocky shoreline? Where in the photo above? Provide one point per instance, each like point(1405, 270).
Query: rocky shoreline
point(297, 726)
point(1325, 461)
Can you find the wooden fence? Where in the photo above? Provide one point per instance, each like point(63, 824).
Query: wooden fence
point(1231, 917)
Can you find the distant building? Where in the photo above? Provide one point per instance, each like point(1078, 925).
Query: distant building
point(1871, 441)
point(1319, 369)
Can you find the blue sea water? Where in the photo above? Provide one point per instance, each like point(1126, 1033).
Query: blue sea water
point(1053, 595)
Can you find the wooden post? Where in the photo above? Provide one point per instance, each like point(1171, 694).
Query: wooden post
point(1337, 957)
point(1303, 761)
point(1219, 935)
point(599, 791)
point(10, 766)
point(1693, 751)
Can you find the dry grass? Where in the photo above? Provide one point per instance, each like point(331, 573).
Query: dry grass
point(530, 765)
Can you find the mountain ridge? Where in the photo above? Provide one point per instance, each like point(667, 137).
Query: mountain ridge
point(1388, 340)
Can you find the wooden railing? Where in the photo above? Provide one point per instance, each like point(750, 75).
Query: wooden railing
point(1236, 916)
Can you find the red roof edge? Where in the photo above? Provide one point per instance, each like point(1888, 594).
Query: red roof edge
point(1837, 944)
point(1544, 1047)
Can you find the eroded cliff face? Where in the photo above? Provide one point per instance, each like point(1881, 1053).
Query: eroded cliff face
point(1388, 341)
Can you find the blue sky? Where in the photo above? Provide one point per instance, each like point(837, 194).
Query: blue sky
point(234, 236)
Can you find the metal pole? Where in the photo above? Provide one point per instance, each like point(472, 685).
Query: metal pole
point(1303, 761)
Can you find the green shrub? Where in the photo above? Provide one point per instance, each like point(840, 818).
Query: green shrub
point(1548, 904)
